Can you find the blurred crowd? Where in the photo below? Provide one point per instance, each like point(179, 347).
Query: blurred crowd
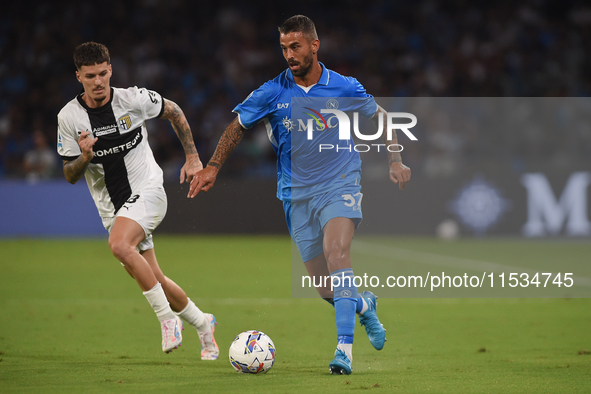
point(208, 56)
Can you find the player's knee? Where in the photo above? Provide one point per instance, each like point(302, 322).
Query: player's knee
point(336, 255)
point(120, 249)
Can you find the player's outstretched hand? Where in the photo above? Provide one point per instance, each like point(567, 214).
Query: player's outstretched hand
point(86, 142)
point(190, 168)
point(203, 181)
point(399, 173)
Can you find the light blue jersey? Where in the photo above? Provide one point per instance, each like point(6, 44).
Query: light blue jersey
point(314, 172)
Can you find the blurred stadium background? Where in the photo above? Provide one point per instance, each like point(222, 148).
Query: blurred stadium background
point(208, 56)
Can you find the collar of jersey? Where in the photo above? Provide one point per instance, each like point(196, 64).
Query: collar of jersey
point(323, 77)
point(99, 109)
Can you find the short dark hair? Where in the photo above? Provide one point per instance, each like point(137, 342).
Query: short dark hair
point(91, 53)
point(299, 23)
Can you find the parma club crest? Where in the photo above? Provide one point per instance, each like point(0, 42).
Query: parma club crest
point(125, 122)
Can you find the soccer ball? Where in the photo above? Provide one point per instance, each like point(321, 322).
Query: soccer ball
point(252, 352)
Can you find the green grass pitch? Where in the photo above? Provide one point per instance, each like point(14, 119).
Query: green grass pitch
point(72, 321)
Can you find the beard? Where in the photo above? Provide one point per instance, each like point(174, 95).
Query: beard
point(99, 97)
point(305, 67)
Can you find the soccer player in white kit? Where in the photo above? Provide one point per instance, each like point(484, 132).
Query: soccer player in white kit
point(102, 136)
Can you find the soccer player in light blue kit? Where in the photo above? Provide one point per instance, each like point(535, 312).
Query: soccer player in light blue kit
point(321, 192)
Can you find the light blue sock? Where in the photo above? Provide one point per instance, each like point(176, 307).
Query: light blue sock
point(360, 303)
point(345, 304)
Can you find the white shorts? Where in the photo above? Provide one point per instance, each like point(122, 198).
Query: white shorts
point(146, 207)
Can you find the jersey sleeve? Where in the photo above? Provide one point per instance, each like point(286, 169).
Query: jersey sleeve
point(67, 140)
point(254, 108)
point(368, 106)
point(151, 103)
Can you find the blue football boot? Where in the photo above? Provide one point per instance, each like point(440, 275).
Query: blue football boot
point(369, 319)
point(341, 365)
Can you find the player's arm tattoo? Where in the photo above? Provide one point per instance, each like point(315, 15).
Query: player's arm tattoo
point(74, 169)
point(392, 156)
point(181, 127)
point(228, 142)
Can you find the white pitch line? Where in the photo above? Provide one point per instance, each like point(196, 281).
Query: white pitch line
point(440, 260)
point(261, 302)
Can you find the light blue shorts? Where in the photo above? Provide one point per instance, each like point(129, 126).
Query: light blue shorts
point(306, 219)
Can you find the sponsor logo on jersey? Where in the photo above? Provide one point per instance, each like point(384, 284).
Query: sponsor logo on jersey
point(153, 97)
point(118, 149)
point(104, 130)
point(316, 122)
point(125, 122)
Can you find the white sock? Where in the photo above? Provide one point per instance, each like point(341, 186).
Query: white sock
point(347, 348)
point(365, 306)
point(193, 315)
point(159, 303)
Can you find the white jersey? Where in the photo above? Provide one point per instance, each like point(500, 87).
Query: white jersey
point(123, 162)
